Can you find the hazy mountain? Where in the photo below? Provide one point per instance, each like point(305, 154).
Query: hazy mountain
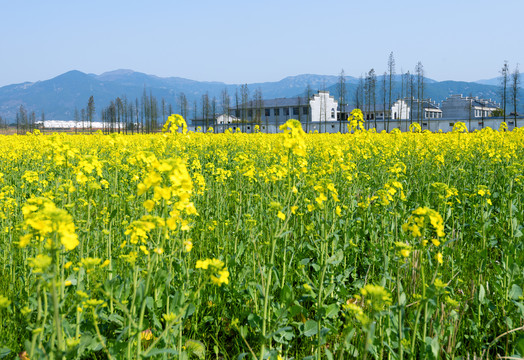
point(58, 97)
point(498, 80)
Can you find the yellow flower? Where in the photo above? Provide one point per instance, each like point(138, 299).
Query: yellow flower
point(188, 245)
point(4, 302)
point(149, 205)
point(24, 240)
point(169, 317)
point(281, 215)
point(307, 287)
point(202, 264)
point(223, 278)
point(439, 259)
point(435, 242)
point(405, 252)
point(146, 335)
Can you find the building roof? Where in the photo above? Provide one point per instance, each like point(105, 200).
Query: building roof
point(271, 103)
point(475, 101)
point(349, 108)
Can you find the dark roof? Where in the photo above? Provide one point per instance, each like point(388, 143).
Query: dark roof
point(484, 103)
point(349, 108)
point(271, 103)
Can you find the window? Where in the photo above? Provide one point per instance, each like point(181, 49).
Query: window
point(332, 126)
point(263, 127)
point(305, 110)
point(424, 124)
point(332, 113)
point(451, 124)
point(250, 113)
point(276, 111)
point(267, 112)
point(249, 128)
point(510, 123)
point(295, 111)
point(286, 111)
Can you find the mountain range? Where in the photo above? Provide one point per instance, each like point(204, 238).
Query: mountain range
point(58, 97)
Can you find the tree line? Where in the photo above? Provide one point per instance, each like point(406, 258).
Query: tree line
point(147, 114)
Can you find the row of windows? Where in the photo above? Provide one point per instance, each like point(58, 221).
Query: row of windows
point(276, 111)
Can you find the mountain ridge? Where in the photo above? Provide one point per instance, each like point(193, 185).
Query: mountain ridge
point(59, 96)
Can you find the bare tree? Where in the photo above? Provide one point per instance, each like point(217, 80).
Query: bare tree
point(258, 105)
point(411, 86)
point(195, 112)
point(205, 110)
point(309, 92)
point(384, 97)
point(226, 100)
point(244, 93)
point(515, 84)
point(214, 110)
point(367, 97)
point(469, 109)
point(341, 89)
point(504, 72)
point(359, 94)
point(373, 93)
point(419, 69)
point(182, 103)
point(90, 112)
point(391, 73)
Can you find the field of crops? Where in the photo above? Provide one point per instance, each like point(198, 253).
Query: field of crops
point(260, 246)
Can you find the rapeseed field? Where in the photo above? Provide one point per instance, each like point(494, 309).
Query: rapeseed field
point(187, 245)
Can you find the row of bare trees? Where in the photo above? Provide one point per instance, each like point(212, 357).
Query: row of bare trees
point(511, 80)
point(367, 95)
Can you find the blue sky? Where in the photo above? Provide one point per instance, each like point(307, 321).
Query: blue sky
point(256, 41)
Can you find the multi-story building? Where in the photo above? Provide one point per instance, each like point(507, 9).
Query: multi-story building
point(458, 107)
point(320, 107)
point(322, 113)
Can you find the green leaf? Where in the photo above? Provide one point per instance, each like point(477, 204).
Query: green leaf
point(516, 292)
point(286, 294)
point(482, 294)
point(197, 348)
point(332, 311)
point(310, 328)
point(402, 299)
point(337, 258)
point(4, 352)
point(160, 351)
point(435, 347)
point(519, 345)
point(282, 329)
point(329, 355)
point(150, 303)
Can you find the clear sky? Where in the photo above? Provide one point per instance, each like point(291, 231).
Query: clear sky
point(245, 41)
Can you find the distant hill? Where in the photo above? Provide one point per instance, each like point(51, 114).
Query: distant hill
point(58, 97)
point(497, 81)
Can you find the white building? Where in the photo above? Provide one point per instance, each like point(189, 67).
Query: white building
point(320, 107)
point(323, 107)
point(227, 119)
